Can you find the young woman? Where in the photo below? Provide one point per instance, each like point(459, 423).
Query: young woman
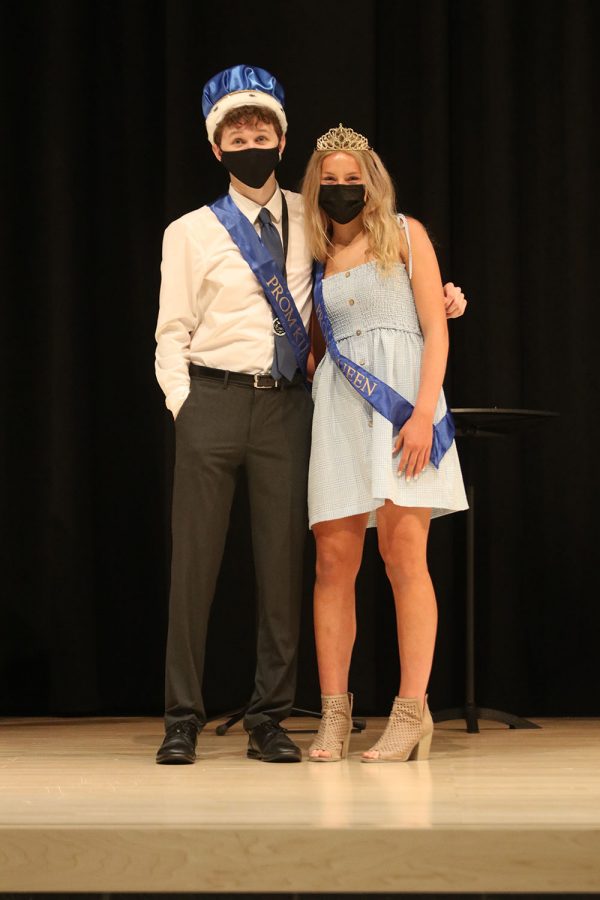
point(383, 453)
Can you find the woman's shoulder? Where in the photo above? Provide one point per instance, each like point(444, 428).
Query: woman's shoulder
point(411, 224)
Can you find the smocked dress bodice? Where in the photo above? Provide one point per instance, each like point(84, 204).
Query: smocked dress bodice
point(364, 298)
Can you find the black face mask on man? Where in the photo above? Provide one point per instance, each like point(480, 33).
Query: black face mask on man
point(342, 202)
point(252, 167)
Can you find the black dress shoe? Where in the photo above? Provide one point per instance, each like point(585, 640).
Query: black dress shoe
point(179, 745)
point(269, 743)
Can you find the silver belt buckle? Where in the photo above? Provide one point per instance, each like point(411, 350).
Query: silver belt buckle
point(264, 387)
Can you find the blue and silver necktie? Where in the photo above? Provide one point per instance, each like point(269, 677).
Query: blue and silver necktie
point(284, 361)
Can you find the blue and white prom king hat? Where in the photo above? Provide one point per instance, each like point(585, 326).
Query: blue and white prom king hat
point(241, 86)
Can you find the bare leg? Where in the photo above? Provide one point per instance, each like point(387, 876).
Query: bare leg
point(402, 536)
point(339, 553)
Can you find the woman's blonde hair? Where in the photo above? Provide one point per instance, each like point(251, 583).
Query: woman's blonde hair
point(386, 238)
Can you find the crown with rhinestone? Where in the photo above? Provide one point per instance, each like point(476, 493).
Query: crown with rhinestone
point(341, 138)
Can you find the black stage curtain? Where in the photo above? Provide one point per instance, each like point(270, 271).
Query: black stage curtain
point(484, 112)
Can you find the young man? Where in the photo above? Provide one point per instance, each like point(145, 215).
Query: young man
point(235, 305)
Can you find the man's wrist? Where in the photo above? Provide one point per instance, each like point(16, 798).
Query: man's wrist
point(176, 399)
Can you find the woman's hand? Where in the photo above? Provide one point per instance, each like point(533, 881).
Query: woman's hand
point(414, 440)
point(454, 301)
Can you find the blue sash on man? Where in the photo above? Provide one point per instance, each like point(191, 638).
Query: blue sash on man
point(383, 398)
point(269, 275)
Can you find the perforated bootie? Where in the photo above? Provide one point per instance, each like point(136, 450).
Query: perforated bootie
point(333, 735)
point(407, 734)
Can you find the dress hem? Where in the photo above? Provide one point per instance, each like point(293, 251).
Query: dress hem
point(436, 511)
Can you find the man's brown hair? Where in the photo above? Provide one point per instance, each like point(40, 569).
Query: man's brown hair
point(248, 115)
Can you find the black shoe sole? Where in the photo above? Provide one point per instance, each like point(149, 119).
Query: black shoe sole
point(175, 759)
point(278, 758)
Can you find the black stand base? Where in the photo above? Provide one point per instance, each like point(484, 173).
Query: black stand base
point(472, 713)
point(358, 725)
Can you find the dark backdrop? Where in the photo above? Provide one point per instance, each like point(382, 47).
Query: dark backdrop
point(484, 113)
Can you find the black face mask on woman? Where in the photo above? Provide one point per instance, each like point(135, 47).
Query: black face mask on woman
point(252, 167)
point(342, 202)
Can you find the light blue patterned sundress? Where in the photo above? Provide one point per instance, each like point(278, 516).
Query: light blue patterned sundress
point(352, 470)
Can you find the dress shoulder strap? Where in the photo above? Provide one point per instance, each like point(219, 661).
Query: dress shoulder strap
point(404, 224)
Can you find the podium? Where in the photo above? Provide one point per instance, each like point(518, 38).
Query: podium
point(471, 424)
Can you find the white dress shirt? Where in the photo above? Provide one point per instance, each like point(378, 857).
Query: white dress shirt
point(213, 311)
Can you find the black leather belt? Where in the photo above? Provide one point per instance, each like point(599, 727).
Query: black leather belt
point(260, 382)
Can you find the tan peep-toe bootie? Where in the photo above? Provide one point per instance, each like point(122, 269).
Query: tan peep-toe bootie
point(333, 735)
point(407, 734)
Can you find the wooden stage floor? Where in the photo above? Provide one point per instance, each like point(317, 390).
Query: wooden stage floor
point(83, 807)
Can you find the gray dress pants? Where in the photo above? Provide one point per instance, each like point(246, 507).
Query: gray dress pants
point(220, 429)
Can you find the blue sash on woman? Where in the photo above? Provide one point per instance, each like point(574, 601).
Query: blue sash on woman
point(380, 395)
point(269, 275)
